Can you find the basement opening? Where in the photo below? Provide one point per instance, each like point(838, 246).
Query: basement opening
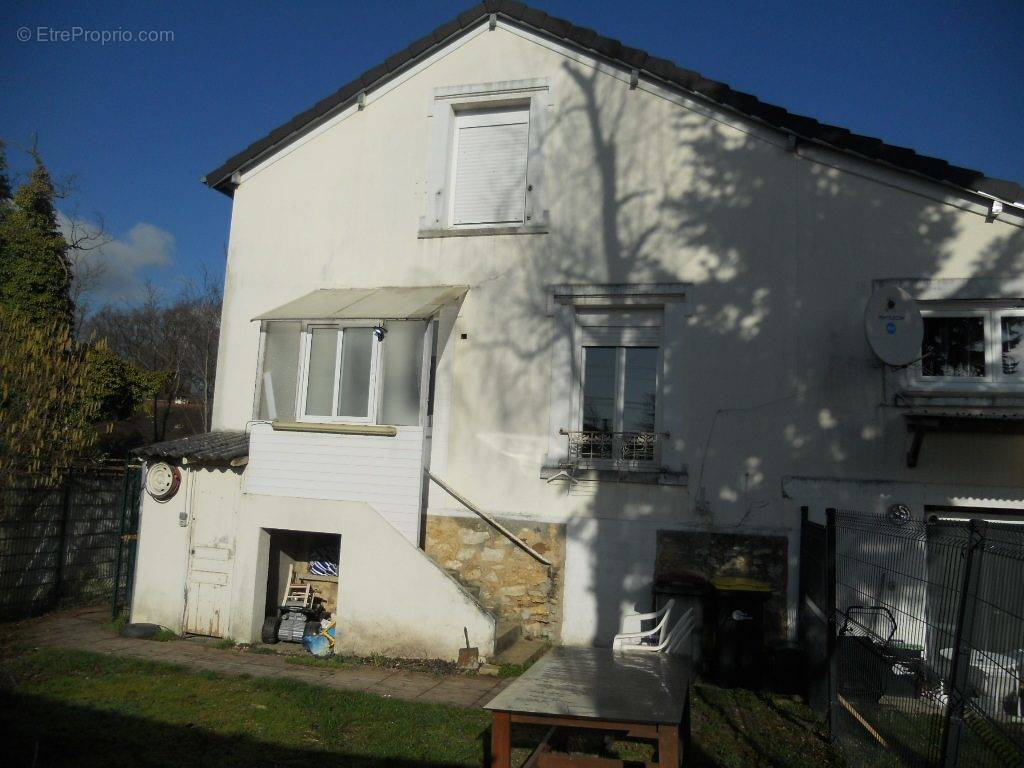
point(302, 584)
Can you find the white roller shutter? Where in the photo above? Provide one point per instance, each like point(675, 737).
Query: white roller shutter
point(490, 166)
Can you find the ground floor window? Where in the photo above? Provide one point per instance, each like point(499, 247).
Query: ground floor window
point(619, 357)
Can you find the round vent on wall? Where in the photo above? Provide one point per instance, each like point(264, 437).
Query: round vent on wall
point(162, 480)
point(893, 325)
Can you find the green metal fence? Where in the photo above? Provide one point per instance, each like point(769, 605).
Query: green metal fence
point(72, 544)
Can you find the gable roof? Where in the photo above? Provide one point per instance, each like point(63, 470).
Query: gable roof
point(663, 70)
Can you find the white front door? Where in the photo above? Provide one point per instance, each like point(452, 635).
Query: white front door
point(211, 559)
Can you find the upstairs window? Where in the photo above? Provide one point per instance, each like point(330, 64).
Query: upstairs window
point(489, 161)
point(971, 346)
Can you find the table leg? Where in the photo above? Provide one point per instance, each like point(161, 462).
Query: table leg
point(501, 740)
point(668, 746)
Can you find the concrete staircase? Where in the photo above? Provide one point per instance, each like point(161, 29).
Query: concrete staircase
point(510, 647)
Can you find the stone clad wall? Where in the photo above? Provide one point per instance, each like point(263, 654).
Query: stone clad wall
point(506, 579)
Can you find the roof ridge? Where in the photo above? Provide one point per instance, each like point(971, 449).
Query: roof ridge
point(836, 137)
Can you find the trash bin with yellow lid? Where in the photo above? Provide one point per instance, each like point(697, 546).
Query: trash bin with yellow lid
point(737, 631)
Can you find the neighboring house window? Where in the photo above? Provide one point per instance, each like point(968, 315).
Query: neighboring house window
point(619, 355)
point(343, 372)
point(485, 159)
point(970, 347)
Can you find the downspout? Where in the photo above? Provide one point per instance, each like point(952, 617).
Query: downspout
point(488, 519)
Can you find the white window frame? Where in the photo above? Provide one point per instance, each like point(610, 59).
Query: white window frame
point(994, 380)
point(373, 396)
point(482, 116)
point(621, 338)
point(445, 105)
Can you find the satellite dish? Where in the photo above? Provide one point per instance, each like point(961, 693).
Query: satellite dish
point(893, 325)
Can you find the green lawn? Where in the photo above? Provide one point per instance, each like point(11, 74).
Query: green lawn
point(63, 708)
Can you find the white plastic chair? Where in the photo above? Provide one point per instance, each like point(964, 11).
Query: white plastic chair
point(631, 631)
point(675, 642)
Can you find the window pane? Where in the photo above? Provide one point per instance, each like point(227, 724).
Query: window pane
point(403, 364)
point(953, 347)
point(599, 389)
point(280, 372)
point(323, 350)
point(641, 389)
point(1013, 350)
point(356, 347)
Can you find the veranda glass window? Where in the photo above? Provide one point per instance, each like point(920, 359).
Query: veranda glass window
point(339, 373)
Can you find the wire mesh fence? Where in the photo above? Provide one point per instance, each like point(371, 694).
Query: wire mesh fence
point(924, 636)
point(65, 545)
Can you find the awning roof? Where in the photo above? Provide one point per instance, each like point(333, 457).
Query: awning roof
point(367, 304)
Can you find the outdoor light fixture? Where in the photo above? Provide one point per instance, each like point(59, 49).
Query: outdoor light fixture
point(899, 514)
point(380, 331)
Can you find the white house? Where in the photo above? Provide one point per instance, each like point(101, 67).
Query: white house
point(612, 305)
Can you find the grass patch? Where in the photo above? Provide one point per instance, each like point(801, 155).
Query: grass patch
point(105, 710)
point(164, 636)
point(512, 670)
point(437, 667)
point(118, 624)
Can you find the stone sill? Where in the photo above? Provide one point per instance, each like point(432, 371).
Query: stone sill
point(519, 229)
point(379, 430)
point(647, 477)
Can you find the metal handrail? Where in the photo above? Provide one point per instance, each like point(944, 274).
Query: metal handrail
point(488, 519)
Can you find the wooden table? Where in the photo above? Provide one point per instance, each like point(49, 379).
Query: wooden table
point(647, 695)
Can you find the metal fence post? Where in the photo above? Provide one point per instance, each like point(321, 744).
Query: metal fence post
point(62, 540)
point(963, 645)
point(833, 701)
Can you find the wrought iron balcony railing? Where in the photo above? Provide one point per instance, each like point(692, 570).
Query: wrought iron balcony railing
point(614, 449)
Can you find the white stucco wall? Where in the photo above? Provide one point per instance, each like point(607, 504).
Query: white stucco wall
point(774, 377)
point(392, 598)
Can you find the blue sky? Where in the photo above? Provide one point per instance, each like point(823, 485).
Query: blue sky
point(138, 124)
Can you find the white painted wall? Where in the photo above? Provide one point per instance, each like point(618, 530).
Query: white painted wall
point(771, 374)
point(163, 549)
point(392, 598)
point(385, 472)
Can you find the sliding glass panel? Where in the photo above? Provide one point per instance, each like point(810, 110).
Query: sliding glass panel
point(641, 389)
point(1013, 350)
point(599, 389)
point(356, 353)
point(323, 352)
point(953, 347)
point(280, 372)
point(403, 366)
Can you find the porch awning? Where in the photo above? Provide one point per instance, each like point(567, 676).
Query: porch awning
point(367, 303)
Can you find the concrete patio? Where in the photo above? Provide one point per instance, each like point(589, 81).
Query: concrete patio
point(87, 629)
